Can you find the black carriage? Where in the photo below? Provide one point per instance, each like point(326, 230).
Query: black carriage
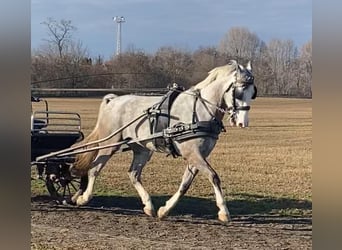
point(53, 131)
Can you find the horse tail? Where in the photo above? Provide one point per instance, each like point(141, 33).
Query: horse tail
point(83, 161)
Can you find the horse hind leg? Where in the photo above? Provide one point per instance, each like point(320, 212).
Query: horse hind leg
point(83, 186)
point(99, 162)
point(140, 158)
point(188, 176)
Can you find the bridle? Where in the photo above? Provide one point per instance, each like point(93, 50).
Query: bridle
point(238, 92)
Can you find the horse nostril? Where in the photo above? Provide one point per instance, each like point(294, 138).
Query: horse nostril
point(240, 125)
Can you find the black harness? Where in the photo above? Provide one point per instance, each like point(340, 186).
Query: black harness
point(159, 117)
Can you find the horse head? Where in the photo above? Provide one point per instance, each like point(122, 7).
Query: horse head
point(239, 94)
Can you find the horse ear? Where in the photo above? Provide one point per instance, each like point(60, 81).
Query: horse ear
point(232, 62)
point(249, 66)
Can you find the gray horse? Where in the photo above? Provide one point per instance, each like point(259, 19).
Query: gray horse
point(195, 120)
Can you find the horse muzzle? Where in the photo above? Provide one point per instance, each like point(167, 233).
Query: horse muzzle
point(234, 123)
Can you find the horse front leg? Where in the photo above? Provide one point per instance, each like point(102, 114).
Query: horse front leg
point(223, 214)
point(93, 172)
point(198, 163)
point(140, 158)
point(188, 176)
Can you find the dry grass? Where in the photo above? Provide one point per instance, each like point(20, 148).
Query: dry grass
point(271, 161)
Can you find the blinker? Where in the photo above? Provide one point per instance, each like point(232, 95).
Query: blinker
point(239, 91)
point(255, 92)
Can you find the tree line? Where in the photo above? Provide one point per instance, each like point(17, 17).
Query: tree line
point(280, 68)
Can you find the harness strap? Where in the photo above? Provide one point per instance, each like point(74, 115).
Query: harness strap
point(198, 96)
point(184, 131)
point(194, 114)
point(181, 131)
point(246, 108)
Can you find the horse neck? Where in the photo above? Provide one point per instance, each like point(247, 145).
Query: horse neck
point(213, 93)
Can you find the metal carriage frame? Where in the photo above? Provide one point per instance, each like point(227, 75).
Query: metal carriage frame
point(53, 131)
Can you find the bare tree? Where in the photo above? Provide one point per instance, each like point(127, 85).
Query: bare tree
point(282, 56)
point(174, 64)
point(264, 77)
point(205, 59)
point(134, 69)
point(305, 66)
point(59, 33)
point(60, 57)
point(240, 43)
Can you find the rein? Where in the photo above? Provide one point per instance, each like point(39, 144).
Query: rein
point(197, 94)
point(231, 110)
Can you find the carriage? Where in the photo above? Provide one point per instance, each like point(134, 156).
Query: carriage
point(184, 123)
point(52, 131)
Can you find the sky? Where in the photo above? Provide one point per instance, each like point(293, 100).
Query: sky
point(186, 24)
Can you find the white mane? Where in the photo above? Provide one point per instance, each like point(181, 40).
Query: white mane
point(214, 74)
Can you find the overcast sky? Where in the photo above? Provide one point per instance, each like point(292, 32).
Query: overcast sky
point(188, 24)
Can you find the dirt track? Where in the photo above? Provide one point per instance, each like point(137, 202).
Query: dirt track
point(122, 225)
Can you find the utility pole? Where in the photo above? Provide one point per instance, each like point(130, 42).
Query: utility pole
point(118, 20)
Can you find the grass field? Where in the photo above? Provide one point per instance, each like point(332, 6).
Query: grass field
point(266, 168)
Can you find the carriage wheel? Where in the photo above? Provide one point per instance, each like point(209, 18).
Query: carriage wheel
point(63, 188)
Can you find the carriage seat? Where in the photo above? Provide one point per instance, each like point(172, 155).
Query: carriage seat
point(39, 124)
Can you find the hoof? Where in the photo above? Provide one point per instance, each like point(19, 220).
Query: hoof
point(224, 217)
point(75, 197)
point(161, 213)
point(150, 212)
point(81, 201)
